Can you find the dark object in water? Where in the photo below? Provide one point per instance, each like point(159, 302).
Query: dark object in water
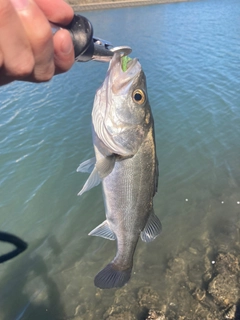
point(19, 243)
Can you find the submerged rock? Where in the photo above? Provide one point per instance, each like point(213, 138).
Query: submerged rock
point(224, 288)
point(126, 315)
point(227, 263)
point(155, 315)
point(124, 306)
point(148, 298)
point(196, 286)
point(196, 247)
point(199, 294)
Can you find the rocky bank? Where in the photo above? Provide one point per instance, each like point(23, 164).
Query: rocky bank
point(201, 282)
point(88, 5)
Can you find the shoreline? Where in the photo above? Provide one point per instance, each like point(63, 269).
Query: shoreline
point(120, 4)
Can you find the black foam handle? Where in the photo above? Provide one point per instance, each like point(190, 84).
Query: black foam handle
point(81, 31)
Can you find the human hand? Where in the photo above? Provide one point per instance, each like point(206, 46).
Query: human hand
point(28, 50)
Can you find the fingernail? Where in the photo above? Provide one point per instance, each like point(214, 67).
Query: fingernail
point(20, 4)
point(66, 45)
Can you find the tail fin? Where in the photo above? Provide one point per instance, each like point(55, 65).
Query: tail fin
point(112, 277)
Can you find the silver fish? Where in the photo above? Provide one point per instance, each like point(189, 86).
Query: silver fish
point(126, 164)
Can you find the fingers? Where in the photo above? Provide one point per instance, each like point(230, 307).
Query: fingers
point(16, 58)
point(56, 11)
point(39, 34)
point(28, 50)
point(63, 47)
point(63, 51)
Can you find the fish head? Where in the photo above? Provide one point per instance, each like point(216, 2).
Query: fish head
point(121, 114)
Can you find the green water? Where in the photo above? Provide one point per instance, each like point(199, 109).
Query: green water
point(190, 53)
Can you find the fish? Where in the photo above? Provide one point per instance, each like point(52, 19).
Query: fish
point(125, 163)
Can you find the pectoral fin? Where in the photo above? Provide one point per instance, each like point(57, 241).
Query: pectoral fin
point(87, 166)
point(91, 182)
point(105, 165)
point(103, 231)
point(152, 229)
point(99, 170)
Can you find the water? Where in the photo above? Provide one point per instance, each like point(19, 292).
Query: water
point(190, 53)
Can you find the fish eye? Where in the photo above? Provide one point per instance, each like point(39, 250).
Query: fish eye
point(139, 96)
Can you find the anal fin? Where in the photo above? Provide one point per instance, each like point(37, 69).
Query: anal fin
point(152, 228)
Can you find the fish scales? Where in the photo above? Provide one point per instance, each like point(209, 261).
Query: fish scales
point(126, 164)
point(130, 190)
point(130, 186)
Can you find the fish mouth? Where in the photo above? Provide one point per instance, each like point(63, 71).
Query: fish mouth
point(126, 63)
point(122, 73)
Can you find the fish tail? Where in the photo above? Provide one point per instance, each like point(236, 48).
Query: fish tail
point(112, 277)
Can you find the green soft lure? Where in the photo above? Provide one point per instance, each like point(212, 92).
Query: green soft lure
point(124, 62)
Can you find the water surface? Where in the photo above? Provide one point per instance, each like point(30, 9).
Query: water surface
point(190, 53)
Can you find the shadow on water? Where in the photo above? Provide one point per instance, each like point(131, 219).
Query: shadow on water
point(28, 287)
